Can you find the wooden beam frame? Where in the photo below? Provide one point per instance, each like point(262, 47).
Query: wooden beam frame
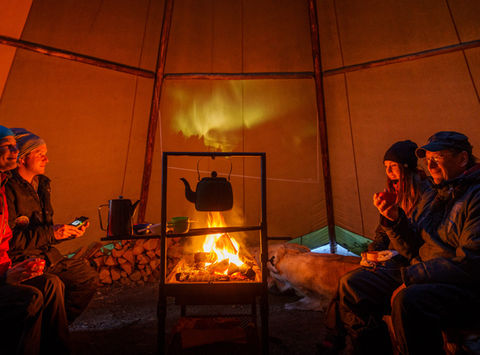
point(404, 58)
point(239, 76)
point(86, 59)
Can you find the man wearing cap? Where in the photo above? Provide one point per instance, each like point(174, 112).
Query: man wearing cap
point(441, 286)
point(32, 313)
point(35, 234)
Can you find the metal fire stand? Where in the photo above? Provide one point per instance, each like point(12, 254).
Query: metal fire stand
point(218, 292)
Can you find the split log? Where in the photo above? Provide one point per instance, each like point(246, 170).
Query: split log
point(115, 272)
point(203, 257)
point(138, 248)
point(128, 255)
point(110, 261)
point(136, 276)
point(232, 268)
point(220, 267)
point(104, 275)
point(127, 267)
point(98, 261)
point(151, 244)
point(154, 263)
point(116, 253)
point(143, 259)
point(93, 250)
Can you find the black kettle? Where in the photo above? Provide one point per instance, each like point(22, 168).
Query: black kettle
point(120, 213)
point(213, 193)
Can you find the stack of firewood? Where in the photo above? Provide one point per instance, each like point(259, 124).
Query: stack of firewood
point(134, 261)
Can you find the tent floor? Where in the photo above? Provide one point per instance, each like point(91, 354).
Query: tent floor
point(122, 320)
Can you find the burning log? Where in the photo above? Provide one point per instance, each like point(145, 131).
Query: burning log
point(220, 267)
point(232, 268)
point(204, 257)
point(225, 243)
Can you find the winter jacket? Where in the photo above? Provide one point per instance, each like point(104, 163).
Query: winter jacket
point(31, 219)
point(5, 231)
point(448, 223)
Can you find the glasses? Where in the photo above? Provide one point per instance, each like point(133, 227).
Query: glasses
point(437, 159)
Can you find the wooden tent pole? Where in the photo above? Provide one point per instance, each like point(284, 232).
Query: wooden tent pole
point(86, 59)
point(404, 58)
point(155, 108)
point(322, 122)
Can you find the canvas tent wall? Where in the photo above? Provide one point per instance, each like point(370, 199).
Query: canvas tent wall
point(95, 120)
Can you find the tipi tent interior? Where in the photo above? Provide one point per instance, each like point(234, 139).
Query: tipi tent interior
point(323, 87)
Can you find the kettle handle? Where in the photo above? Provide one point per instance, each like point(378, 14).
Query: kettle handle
point(100, 217)
point(213, 157)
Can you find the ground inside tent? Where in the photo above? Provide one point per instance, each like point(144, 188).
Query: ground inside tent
point(122, 320)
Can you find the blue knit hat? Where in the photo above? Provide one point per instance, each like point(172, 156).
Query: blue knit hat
point(5, 132)
point(26, 141)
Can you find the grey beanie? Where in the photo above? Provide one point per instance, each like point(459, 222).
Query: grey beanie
point(26, 141)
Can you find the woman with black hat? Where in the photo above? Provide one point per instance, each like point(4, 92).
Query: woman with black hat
point(405, 187)
point(405, 184)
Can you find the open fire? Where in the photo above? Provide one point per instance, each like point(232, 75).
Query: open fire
point(220, 258)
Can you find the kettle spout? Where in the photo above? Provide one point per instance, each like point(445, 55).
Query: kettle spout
point(189, 193)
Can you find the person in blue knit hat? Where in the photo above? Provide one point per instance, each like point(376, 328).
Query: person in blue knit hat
point(32, 312)
point(35, 234)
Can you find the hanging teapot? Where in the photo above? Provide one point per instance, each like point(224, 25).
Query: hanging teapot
point(212, 193)
point(120, 213)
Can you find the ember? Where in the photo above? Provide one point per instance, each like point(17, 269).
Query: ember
point(221, 259)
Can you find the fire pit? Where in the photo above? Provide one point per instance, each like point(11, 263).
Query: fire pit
point(220, 257)
point(216, 268)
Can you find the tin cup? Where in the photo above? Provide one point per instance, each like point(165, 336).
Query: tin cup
point(178, 225)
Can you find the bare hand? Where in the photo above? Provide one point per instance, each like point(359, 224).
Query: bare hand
point(386, 209)
point(395, 293)
point(25, 270)
point(64, 231)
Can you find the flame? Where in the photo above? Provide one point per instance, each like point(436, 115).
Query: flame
point(222, 244)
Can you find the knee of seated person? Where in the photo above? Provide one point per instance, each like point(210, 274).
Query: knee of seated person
point(54, 283)
point(406, 299)
point(35, 301)
point(348, 282)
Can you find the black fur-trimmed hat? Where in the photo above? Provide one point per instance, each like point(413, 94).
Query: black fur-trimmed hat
point(403, 153)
